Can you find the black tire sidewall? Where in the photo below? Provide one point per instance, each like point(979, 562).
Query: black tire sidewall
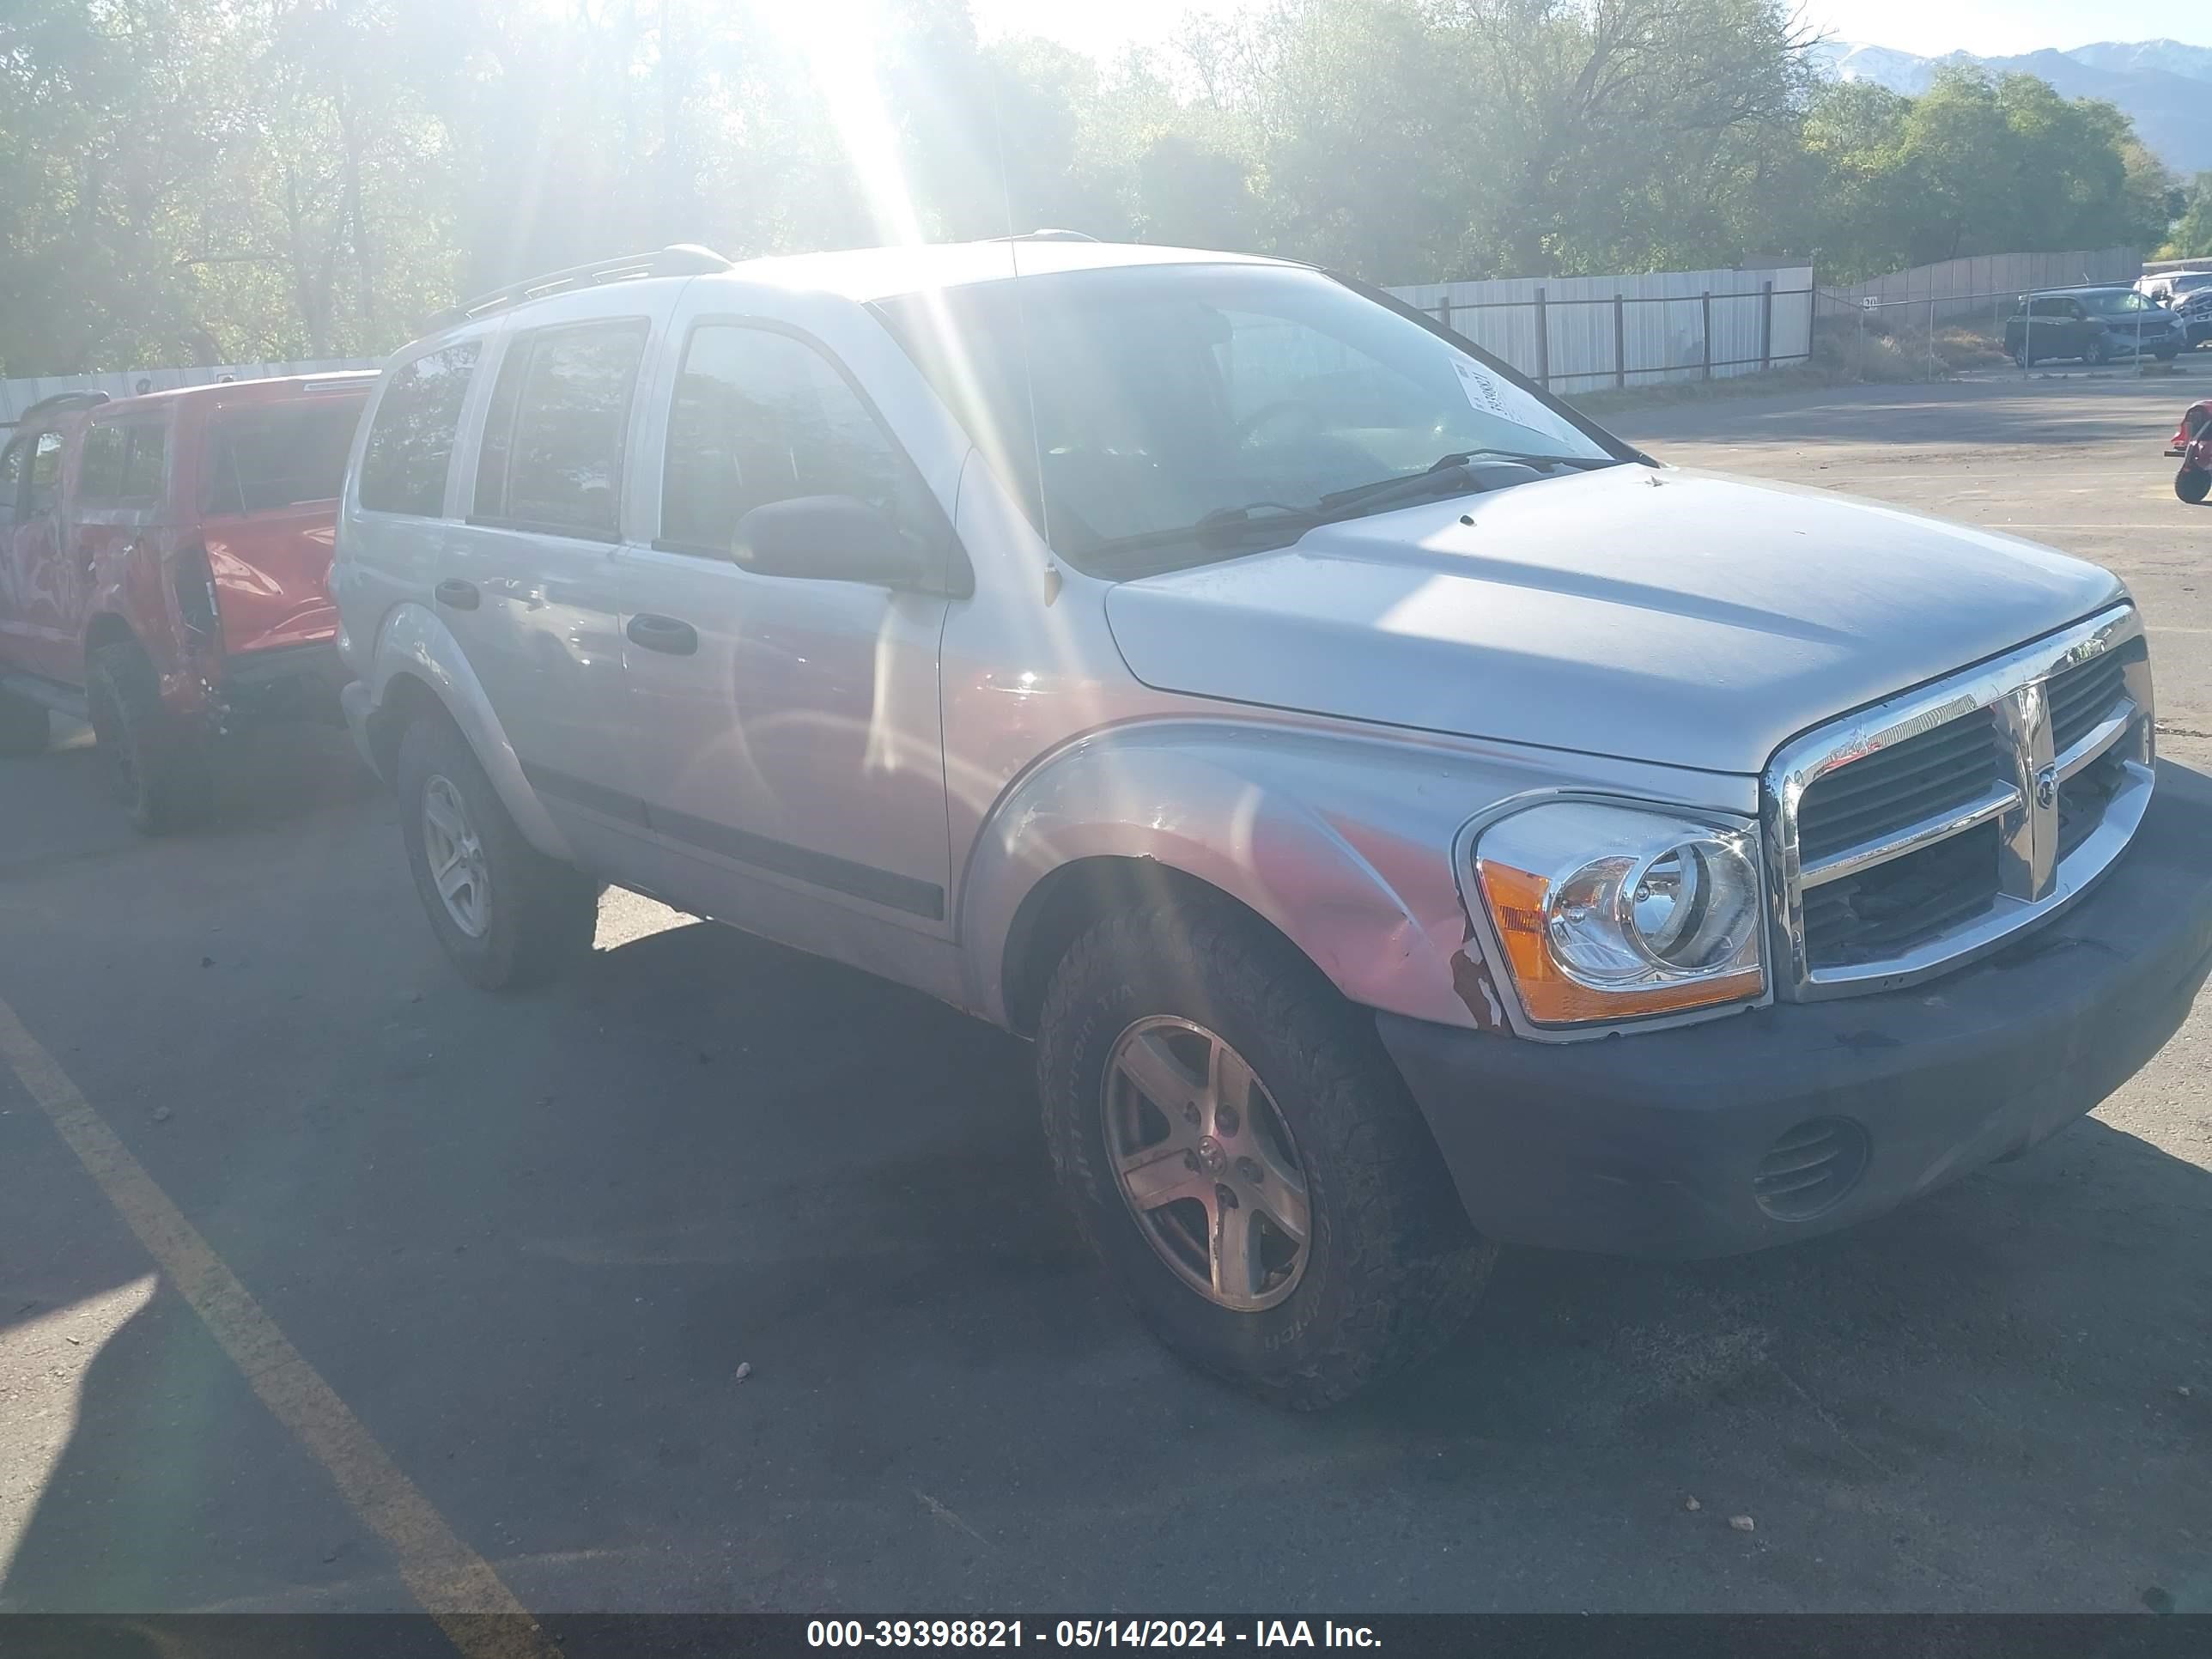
point(168, 784)
point(1335, 1332)
point(2192, 484)
point(542, 914)
point(433, 748)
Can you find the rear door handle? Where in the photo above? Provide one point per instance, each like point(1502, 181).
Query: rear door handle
point(678, 638)
point(462, 596)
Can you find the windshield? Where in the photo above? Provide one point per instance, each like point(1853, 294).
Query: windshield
point(2126, 299)
point(1168, 393)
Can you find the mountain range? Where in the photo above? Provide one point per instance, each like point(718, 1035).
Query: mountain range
point(2165, 86)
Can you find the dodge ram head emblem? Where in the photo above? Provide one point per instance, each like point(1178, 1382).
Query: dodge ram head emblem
point(2046, 787)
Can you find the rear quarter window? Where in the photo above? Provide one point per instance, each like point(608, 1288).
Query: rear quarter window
point(411, 438)
point(287, 455)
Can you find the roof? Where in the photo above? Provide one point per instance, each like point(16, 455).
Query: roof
point(244, 392)
point(2085, 287)
point(881, 273)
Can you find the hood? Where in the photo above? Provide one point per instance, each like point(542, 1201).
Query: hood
point(1682, 617)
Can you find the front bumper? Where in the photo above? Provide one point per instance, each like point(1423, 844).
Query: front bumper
point(1650, 1143)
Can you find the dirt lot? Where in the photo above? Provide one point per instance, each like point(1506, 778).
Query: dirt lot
point(523, 1246)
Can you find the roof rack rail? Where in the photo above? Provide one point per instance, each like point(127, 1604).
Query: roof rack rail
point(1045, 235)
point(61, 401)
point(680, 259)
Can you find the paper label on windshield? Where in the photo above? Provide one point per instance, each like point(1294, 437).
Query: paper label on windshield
point(1481, 391)
point(1488, 395)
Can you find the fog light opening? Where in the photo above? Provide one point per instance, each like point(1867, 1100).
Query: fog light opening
point(1811, 1169)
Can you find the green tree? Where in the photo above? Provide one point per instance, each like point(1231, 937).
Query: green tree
point(2191, 235)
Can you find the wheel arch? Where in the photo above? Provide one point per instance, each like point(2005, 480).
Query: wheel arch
point(417, 666)
point(1071, 898)
point(108, 628)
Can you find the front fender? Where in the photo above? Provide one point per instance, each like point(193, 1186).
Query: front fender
point(1344, 844)
point(413, 643)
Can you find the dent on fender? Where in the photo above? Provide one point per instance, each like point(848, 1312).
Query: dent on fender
point(1366, 895)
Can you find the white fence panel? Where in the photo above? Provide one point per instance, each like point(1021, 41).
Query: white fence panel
point(1986, 282)
point(1587, 333)
point(18, 395)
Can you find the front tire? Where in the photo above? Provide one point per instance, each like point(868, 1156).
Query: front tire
point(2192, 484)
point(2095, 353)
point(1245, 1161)
point(25, 728)
point(158, 773)
point(508, 916)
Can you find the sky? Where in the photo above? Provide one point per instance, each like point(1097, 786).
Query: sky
point(1987, 27)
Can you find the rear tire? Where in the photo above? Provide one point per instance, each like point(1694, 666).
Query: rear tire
point(1388, 1267)
point(157, 771)
point(508, 916)
point(2019, 357)
point(25, 728)
point(2192, 484)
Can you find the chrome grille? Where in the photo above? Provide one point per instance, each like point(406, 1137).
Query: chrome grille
point(1941, 770)
point(1922, 831)
point(1889, 907)
point(2084, 695)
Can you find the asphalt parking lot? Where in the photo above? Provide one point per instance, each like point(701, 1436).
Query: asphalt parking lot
point(529, 1243)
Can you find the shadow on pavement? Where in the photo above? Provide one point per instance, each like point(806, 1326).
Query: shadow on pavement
point(534, 1266)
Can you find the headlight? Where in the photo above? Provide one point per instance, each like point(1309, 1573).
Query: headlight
point(1610, 912)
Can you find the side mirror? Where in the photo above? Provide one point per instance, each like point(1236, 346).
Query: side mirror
point(829, 539)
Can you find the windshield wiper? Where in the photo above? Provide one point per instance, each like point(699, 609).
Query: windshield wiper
point(1223, 524)
point(1446, 474)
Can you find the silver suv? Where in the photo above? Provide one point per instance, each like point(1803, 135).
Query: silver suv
point(1406, 817)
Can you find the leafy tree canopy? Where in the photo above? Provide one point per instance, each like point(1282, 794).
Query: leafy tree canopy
point(232, 179)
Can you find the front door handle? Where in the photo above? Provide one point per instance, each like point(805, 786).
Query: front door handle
point(461, 596)
point(678, 638)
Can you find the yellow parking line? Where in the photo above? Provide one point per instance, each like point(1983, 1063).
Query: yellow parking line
point(457, 1587)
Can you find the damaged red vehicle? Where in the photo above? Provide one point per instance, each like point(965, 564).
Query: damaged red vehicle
point(164, 571)
point(2196, 422)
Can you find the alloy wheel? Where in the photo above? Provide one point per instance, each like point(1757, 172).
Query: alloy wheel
point(456, 857)
point(1206, 1163)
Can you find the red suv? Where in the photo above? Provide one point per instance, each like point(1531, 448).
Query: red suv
point(164, 572)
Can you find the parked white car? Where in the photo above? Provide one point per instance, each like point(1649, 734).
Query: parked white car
point(1406, 817)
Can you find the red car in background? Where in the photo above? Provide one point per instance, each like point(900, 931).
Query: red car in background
point(2195, 422)
point(164, 573)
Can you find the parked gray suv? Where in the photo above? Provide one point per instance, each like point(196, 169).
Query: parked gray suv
point(1406, 817)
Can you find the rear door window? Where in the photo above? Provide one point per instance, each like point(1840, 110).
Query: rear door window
point(552, 455)
point(265, 461)
point(145, 463)
point(100, 469)
point(410, 442)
